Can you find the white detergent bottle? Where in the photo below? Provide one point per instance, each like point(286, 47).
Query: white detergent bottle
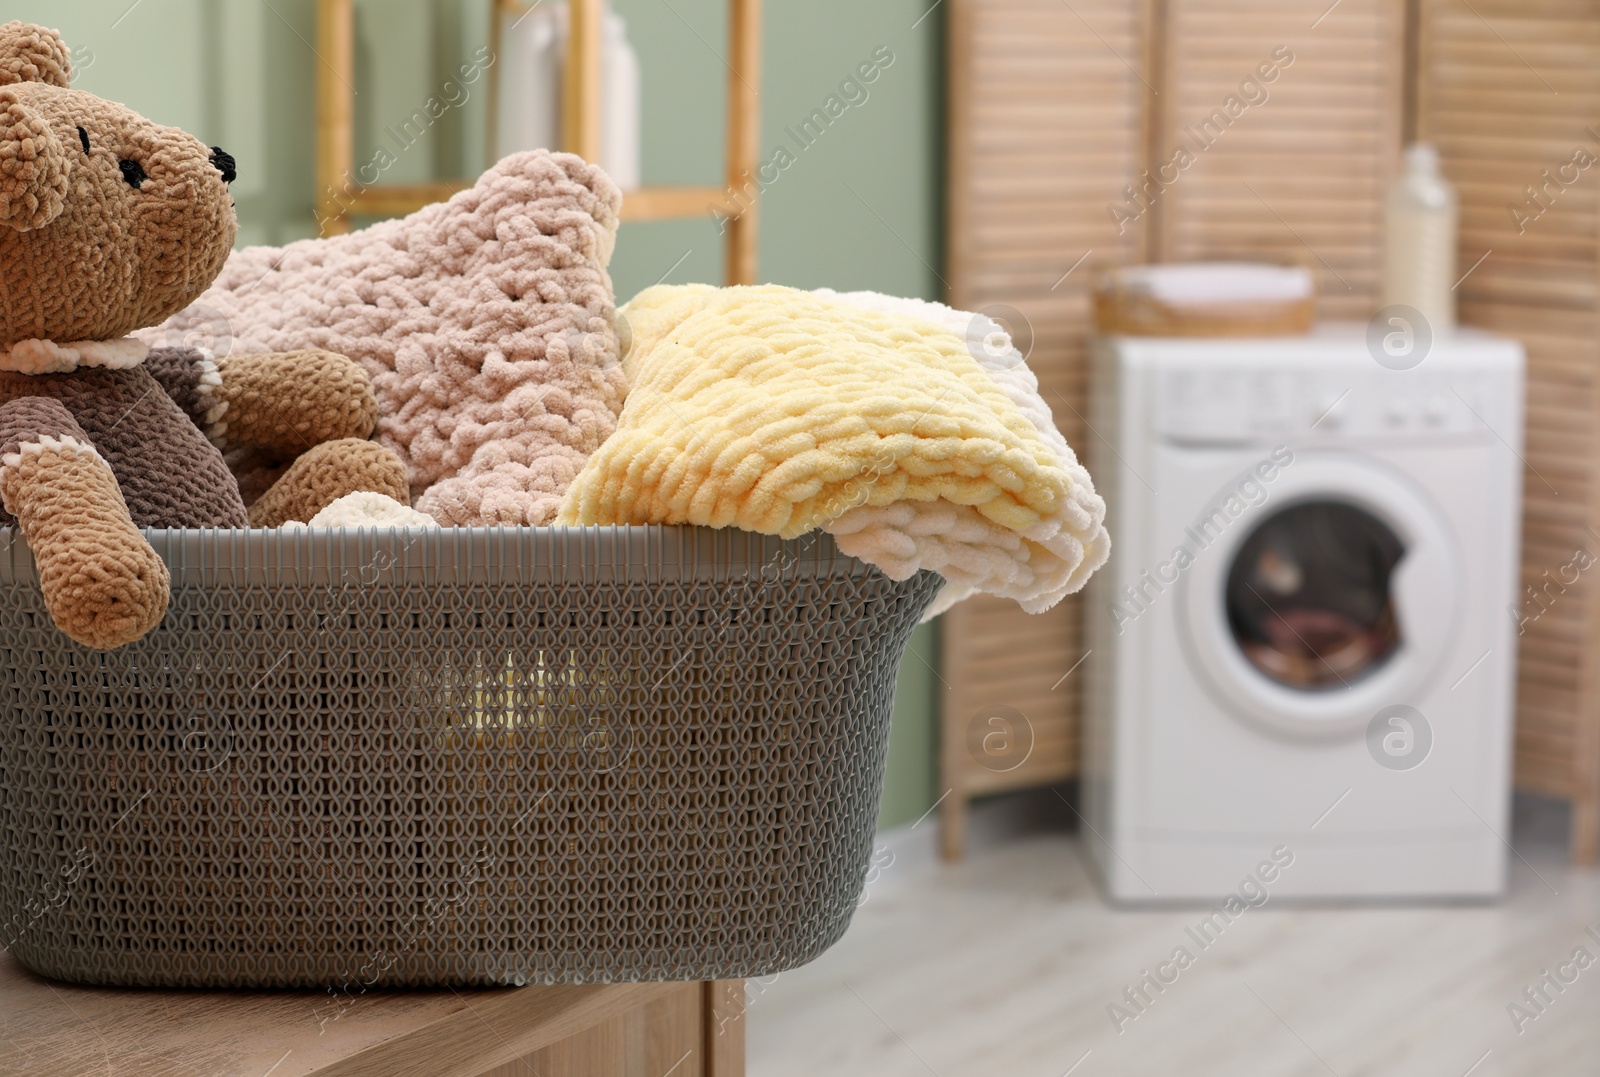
point(620, 133)
point(1419, 257)
point(534, 47)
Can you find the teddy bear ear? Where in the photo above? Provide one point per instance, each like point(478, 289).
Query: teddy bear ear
point(31, 53)
point(33, 167)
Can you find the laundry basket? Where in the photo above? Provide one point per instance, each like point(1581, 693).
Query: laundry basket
point(352, 759)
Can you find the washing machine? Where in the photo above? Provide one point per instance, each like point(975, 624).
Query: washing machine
point(1302, 652)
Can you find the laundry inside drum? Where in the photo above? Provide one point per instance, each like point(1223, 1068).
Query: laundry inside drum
point(1308, 595)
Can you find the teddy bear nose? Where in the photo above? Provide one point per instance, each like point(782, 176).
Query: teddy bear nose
point(225, 163)
point(133, 172)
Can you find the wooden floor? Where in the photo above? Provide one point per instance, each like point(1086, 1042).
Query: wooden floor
point(1006, 965)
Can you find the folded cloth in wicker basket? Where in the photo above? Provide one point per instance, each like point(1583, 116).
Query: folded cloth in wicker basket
point(485, 322)
point(782, 411)
point(965, 536)
point(366, 509)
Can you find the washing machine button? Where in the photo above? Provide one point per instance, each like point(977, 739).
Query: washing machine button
point(1398, 412)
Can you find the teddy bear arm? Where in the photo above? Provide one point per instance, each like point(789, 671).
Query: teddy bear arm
point(193, 381)
point(290, 402)
point(102, 583)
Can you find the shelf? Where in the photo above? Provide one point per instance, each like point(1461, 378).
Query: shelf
point(339, 199)
point(668, 203)
point(643, 204)
point(396, 201)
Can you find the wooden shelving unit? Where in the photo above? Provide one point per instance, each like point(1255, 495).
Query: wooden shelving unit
point(339, 197)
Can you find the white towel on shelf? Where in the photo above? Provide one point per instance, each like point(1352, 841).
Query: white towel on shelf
point(1203, 284)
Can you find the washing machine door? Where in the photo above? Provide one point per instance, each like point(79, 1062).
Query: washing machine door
point(1332, 598)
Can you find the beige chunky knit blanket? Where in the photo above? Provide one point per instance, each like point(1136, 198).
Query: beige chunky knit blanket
point(485, 322)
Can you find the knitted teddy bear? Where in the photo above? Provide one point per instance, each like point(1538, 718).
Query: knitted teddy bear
point(110, 223)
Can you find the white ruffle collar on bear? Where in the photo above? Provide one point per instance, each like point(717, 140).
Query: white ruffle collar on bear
point(48, 357)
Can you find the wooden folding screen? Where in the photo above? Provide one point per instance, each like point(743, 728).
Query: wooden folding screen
point(1047, 110)
point(1065, 124)
point(1292, 118)
point(1510, 93)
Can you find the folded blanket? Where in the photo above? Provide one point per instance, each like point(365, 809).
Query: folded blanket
point(781, 411)
point(485, 322)
point(971, 552)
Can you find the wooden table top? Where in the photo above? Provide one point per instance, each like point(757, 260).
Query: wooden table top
point(61, 1030)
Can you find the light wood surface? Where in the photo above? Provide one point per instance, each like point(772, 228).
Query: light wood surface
point(631, 1030)
point(642, 204)
point(1507, 91)
point(724, 1034)
point(391, 200)
point(1007, 964)
point(744, 137)
point(581, 79)
point(663, 203)
point(1302, 171)
point(336, 110)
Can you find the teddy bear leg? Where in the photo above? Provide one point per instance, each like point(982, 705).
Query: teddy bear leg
point(288, 402)
point(327, 473)
point(103, 584)
point(256, 469)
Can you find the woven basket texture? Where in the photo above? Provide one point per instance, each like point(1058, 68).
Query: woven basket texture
point(357, 759)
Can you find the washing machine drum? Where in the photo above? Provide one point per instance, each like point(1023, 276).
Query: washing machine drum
point(1334, 598)
point(1308, 596)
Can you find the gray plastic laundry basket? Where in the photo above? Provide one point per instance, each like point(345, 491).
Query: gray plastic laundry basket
point(350, 759)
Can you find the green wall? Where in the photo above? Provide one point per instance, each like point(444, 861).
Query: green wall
point(857, 209)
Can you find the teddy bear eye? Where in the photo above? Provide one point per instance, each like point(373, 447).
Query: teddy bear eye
point(224, 163)
point(133, 172)
point(83, 136)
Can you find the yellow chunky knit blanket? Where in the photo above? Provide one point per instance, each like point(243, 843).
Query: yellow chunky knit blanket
point(783, 411)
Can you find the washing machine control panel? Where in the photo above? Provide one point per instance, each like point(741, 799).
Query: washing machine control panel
point(1227, 404)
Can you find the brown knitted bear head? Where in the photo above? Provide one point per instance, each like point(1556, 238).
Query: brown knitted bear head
point(108, 222)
